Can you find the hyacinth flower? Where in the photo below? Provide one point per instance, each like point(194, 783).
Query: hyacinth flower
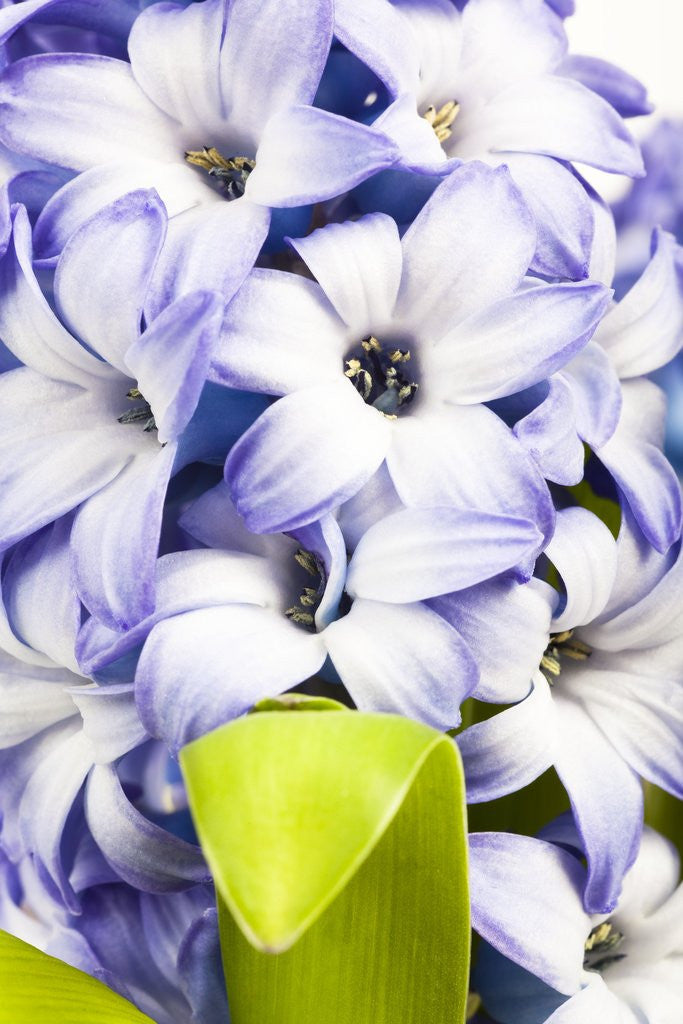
point(603, 398)
point(607, 701)
point(101, 427)
point(64, 744)
point(564, 966)
point(388, 358)
point(256, 615)
point(213, 111)
point(172, 971)
point(492, 82)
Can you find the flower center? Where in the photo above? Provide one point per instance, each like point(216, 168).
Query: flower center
point(379, 377)
point(141, 412)
point(231, 172)
point(559, 645)
point(442, 119)
point(303, 613)
point(600, 947)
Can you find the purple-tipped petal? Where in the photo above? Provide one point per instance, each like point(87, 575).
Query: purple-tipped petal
point(376, 33)
point(596, 392)
point(306, 154)
point(38, 594)
point(516, 342)
point(358, 264)
point(508, 751)
point(419, 553)
point(211, 248)
point(28, 326)
point(41, 479)
point(279, 334)
point(549, 434)
point(645, 330)
point(466, 457)
point(115, 540)
point(403, 659)
point(304, 456)
point(142, 854)
point(584, 553)
point(558, 117)
point(104, 272)
point(507, 624)
point(625, 93)
point(171, 360)
point(642, 472)
point(201, 669)
point(177, 185)
point(80, 110)
point(526, 902)
point(563, 212)
point(606, 798)
point(476, 224)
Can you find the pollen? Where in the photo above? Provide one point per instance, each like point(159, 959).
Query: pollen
point(231, 172)
point(139, 413)
point(601, 946)
point(442, 119)
point(561, 645)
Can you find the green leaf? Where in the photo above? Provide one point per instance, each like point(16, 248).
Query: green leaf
point(664, 813)
point(337, 843)
point(36, 988)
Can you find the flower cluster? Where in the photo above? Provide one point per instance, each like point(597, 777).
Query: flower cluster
point(313, 377)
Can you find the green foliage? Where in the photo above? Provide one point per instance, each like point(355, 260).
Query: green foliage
point(38, 989)
point(338, 846)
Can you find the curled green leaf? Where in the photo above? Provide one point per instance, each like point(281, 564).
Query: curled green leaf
point(337, 843)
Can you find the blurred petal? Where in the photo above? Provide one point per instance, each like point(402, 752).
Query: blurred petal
point(142, 854)
point(645, 330)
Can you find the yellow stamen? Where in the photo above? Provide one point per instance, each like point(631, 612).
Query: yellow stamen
point(442, 119)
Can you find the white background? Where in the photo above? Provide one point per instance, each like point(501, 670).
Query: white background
point(645, 37)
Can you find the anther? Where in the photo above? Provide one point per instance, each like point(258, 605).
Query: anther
point(232, 172)
point(141, 413)
point(559, 645)
point(442, 119)
point(600, 947)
